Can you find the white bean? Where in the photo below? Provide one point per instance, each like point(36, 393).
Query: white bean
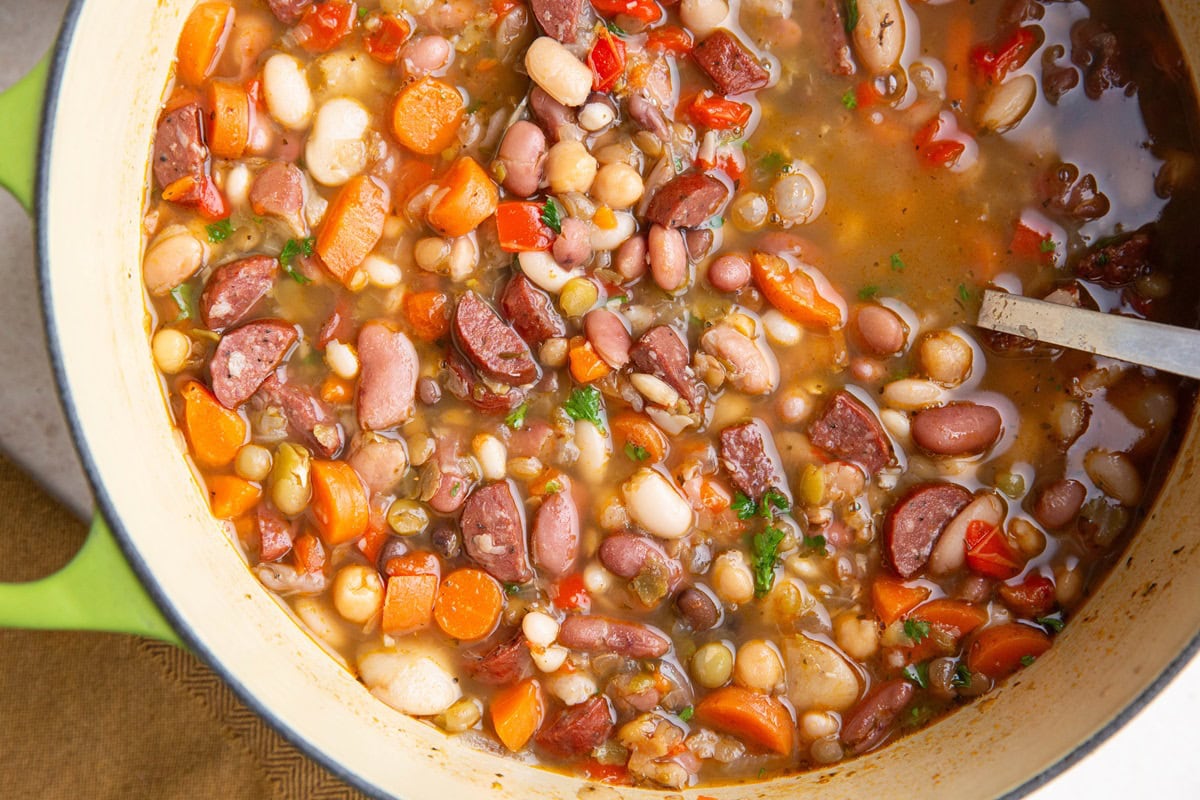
point(606, 239)
point(541, 268)
point(174, 256)
point(781, 330)
point(410, 680)
point(285, 87)
point(342, 360)
point(573, 687)
point(618, 185)
point(337, 150)
point(550, 659)
point(540, 629)
point(237, 185)
point(1115, 474)
point(594, 450)
point(879, 34)
point(951, 549)
point(703, 17)
point(731, 578)
point(357, 593)
point(946, 357)
point(382, 272)
point(912, 394)
point(570, 167)
point(654, 389)
point(656, 505)
point(1007, 104)
point(560, 74)
point(492, 456)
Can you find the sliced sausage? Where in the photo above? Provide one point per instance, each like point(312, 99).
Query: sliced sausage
point(608, 335)
point(748, 453)
point(523, 155)
point(687, 200)
point(554, 537)
point(871, 721)
point(839, 61)
point(595, 634)
point(558, 18)
point(530, 311)
point(278, 191)
point(917, 520)
point(491, 345)
point(380, 462)
point(578, 730)
point(179, 149)
point(698, 608)
point(848, 430)
point(245, 357)
point(493, 531)
point(662, 352)
point(463, 383)
point(957, 429)
point(1058, 503)
point(274, 534)
point(308, 418)
point(289, 12)
point(233, 289)
point(504, 664)
point(387, 383)
point(730, 64)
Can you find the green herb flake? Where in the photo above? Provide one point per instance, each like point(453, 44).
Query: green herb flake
point(614, 28)
point(1052, 624)
point(772, 162)
point(1047, 245)
point(291, 249)
point(512, 588)
point(918, 715)
point(743, 506)
point(816, 544)
point(773, 501)
point(636, 452)
point(918, 674)
point(851, 15)
point(219, 231)
point(964, 293)
point(962, 676)
point(362, 13)
point(764, 552)
point(473, 107)
point(552, 216)
point(584, 404)
point(850, 99)
point(687, 713)
point(867, 292)
point(517, 418)
point(554, 486)
point(1027, 661)
point(898, 264)
point(455, 488)
point(916, 630)
point(185, 301)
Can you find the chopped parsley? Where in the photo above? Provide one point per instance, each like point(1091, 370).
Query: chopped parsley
point(635, 452)
point(584, 404)
point(1027, 661)
point(686, 714)
point(614, 28)
point(1047, 245)
point(898, 264)
point(918, 674)
point(962, 676)
point(552, 216)
point(964, 293)
point(512, 588)
point(916, 630)
point(554, 486)
point(362, 13)
point(772, 162)
point(517, 418)
point(918, 715)
point(764, 549)
point(771, 502)
point(815, 544)
point(743, 506)
point(867, 292)
point(1052, 624)
point(219, 231)
point(851, 15)
point(850, 99)
point(185, 301)
point(291, 249)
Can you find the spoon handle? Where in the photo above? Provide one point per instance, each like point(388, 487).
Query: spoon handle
point(1151, 344)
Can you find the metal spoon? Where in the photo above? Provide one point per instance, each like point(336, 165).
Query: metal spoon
point(1151, 344)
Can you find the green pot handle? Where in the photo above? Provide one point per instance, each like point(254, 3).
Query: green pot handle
point(97, 590)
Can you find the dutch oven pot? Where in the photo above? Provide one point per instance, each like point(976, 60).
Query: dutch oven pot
point(103, 87)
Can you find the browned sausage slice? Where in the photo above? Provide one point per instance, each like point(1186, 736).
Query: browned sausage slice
point(387, 383)
point(530, 311)
point(957, 429)
point(917, 520)
point(594, 634)
point(506, 663)
point(278, 191)
point(687, 200)
point(871, 721)
point(748, 452)
point(246, 356)
point(289, 11)
point(580, 729)
point(234, 288)
point(730, 64)
point(493, 531)
point(308, 417)
point(558, 18)
point(492, 346)
point(179, 149)
point(554, 537)
point(848, 430)
point(661, 352)
point(462, 382)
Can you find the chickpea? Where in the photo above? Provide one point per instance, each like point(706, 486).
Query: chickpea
point(253, 463)
point(618, 185)
point(732, 580)
point(857, 636)
point(570, 167)
point(357, 593)
point(758, 666)
point(462, 716)
point(817, 724)
point(712, 665)
point(1029, 538)
point(171, 350)
point(946, 358)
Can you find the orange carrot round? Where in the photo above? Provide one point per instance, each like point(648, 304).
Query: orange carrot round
point(957, 616)
point(408, 603)
point(1002, 650)
point(353, 226)
point(754, 717)
point(794, 292)
point(631, 428)
point(230, 497)
point(585, 363)
point(339, 501)
point(202, 40)
point(426, 116)
point(466, 196)
point(428, 313)
point(517, 713)
point(230, 128)
point(469, 604)
point(893, 598)
point(214, 432)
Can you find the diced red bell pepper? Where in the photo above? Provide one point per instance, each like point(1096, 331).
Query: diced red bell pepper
point(1032, 598)
point(521, 229)
point(992, 62)
point(569, 593)
point(324, 25)
point(607, 60)
point(940, 143)
point(1032, 244)
point(385, 42)
point(989, 553)
point(646, 11)
point(718, 113)
point(670, 39)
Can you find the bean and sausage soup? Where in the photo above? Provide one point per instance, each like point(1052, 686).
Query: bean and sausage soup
point(597, 380)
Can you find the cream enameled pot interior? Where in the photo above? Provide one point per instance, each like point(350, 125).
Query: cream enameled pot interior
point(112, 70)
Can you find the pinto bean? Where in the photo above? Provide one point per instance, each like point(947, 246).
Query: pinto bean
point(630, 259)
point(501, 665)
point(957, 429)
point(848, 430)
point(523, 156)
point(628, 555)
point(607, 334)
point(661, 352)
point(880, 329)
point(554, 537)
point(698, 608)
point(687, 200)
point(573, 247)
point(668, 258)
point(872, 719)
point(729, 273)
point(750, 365)
point(578, 730)
point(596, 634)
point(246, 356)
point(234, 289)
point(916, 522)
point(387, 383)
point(493, 531)
point(749, 455)
point(731, 65)
point(308, 418)
point(492, 346)
point(380, 462)
point(1058, 503)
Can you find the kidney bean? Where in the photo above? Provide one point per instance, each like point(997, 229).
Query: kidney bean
point(698, 608)
point(871, 721)
point(751, 366)
point(608, 335)
point(596, 634)
point(550, 114)
point(1058, 503)
point(630, 259)
point(916, 522)
point(387, 383)
point(394, 547)
point(957, 429)
point(446, 541)
point(627, 555)
point(573, 247)
point(429, 391)
point(523, 155)
point(729, 273)
point(699, 242)
point(668, 258)
point(554, 537)
point(880, 329)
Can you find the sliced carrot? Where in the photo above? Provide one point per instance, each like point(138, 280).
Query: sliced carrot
point(230, 496)
point(754, 717)
point(957, 616)
point(339, 501)
point(353, 226)
point(586, 364)
point(309, 554)
point(466, 197)
point(420, 562)
point(605, 218)
point(1002, 650)
point(372, 543)
point(214, 432)
point(408, 603)
point(428, 313)
point(469, 604)
point(632, 428)
point(426, 116)
point(336, 391)
point(714, 496)
point(202, 40)
point(229, 130)
point(549, 481)
point(894, 598)
point(517, 712)
point(794, 292)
